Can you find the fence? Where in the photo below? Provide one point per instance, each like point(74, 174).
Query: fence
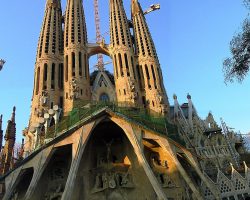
point(139, 115)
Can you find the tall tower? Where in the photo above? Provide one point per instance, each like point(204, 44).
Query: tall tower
point(149, 69)
point(10, 138)
point(122, 53)
point(77, 81)
point(48, 84)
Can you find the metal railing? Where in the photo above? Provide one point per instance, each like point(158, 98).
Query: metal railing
point(141, 116)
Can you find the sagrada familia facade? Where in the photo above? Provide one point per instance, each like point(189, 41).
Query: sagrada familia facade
point(104, 136)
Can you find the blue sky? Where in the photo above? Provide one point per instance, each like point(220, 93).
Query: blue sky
point(192, 39)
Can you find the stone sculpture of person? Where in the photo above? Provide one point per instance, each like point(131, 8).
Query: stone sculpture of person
point(108, 145)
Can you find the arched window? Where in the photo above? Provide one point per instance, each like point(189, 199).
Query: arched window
point(53, 76)
point(73, 64)
point(104, 97)
point(126, 63)
point(80, 64)
point(66, 67)
point(37, 80)
point(120, 63)
point(45, 74)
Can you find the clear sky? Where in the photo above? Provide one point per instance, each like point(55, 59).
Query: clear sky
point(192, 39)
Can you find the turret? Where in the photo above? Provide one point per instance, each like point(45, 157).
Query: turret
point(122, 53)
point(10, 138)
point(210, 122)
point(48, 83)
point(190, 110)
point(77, 81)
point(148, 64)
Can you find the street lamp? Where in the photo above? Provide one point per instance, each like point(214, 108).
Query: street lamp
point(2, 62)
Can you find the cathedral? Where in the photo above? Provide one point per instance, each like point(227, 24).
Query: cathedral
point(114, 136)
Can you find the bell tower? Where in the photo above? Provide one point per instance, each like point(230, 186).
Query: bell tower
point(149, 69)
point(76, 65)
point(10, 139)
point(48, 82)
point(122, 53)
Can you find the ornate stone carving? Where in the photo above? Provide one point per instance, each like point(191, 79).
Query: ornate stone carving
point(166, 181)
point(133, 95)
point(55, 193)
point(108, 176)
point(74, 89)
point(44, 98)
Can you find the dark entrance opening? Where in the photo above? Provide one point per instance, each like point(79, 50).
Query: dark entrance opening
point(23, 183)
point(53, 180)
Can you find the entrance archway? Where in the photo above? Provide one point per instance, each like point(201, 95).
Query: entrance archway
point(52, 182)
point(109, 168)
point(22, 184)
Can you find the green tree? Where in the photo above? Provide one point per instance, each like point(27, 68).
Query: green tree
point(237, 66)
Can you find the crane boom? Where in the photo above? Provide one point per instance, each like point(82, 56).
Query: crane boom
point(2, 62)
point(100, 63)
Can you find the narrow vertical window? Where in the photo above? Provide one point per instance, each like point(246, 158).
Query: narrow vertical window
point(53, 76)
point(66, 68)
point(84, 66)
point(132, 63)
point(120, 62)
point(126, 64)
point(80, 64)
point(142, 76)
point(73, 64)
point(148, 77)
point(139, 76)
point(45, 74)
point(61, 102)
point(37, 80)
point(87, 66)
point(116, 67)
point(60, 76)
point(147, 72)
point(153, 72)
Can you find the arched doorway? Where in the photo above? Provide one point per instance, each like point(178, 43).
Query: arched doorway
point(53, 180)
point(22, 184)
point(104, 97)
point(109, 168)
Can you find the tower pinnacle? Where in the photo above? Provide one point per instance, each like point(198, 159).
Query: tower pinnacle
point(77, 82)
point(148, 63)
point(10, 138)
point(122, 53)
point(13, 117)
point(48, 84)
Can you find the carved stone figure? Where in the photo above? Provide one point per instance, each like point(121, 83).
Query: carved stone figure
point(160, 99)
point(108, 145)
point(44, 97)
point(74, 89)
point(55, 194)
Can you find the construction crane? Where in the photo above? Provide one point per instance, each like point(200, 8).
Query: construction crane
point(2, 62)
point(100, 64)
point(99, 39)
point(152, 8)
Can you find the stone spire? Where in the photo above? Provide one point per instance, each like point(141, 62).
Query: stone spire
point(77, 81)
point(122, 53)
point(1, 132)
point(148, 64)
point(48, 82)
point(10, 138)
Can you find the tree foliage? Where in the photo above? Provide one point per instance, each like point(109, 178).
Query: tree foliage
point(237, 67)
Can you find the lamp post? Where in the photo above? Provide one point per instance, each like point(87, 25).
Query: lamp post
point(2, 62)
